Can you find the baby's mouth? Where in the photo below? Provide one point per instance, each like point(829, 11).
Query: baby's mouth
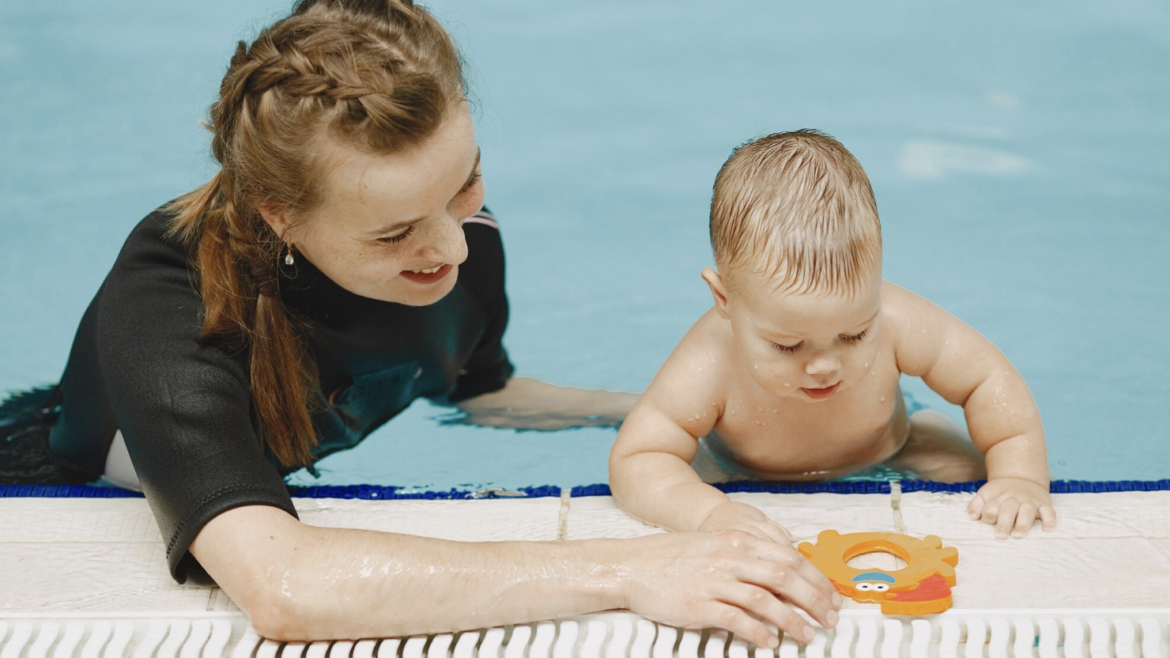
point(821, 393)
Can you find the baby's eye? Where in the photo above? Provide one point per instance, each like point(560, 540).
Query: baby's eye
point(855, 338)
point(787, 349)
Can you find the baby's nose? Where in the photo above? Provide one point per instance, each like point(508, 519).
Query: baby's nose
point(822, 366)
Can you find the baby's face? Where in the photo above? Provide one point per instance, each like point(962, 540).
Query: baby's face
point(805, 345)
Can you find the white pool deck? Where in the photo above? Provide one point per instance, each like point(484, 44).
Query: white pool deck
point(76, 557)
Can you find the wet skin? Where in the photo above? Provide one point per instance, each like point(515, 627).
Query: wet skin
point(804, 385)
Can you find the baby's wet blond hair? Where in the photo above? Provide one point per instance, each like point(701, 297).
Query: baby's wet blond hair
point(797, 207)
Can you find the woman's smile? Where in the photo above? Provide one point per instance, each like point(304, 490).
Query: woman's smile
point(428, 276)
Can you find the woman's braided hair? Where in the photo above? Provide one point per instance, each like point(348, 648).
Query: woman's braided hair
point(377, 75)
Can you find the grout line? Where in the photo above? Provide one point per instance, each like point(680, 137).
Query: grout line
point(896, 505)
point(563, 519)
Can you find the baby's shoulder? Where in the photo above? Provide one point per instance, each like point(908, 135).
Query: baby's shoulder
point(914, 327)
point(700, 361)
point(709, 337)
point(902, 308)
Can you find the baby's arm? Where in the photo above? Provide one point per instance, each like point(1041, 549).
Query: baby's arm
point(966, 369)
point(651, 477)
point(650, 465)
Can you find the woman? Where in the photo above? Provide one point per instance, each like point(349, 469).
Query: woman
point(339, 266)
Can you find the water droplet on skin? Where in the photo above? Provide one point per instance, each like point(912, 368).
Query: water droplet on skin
point(867, 364)
point(881, 399)
point(787, 384)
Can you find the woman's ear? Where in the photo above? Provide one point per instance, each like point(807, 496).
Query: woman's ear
point(276, 217)
point(718, 290)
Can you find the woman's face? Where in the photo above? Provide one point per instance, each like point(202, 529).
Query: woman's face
point(390, 226)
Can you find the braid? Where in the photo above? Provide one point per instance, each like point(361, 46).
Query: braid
point(378, 75)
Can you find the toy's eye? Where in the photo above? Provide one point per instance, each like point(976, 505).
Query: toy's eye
point(880, 587)
point(864, 587)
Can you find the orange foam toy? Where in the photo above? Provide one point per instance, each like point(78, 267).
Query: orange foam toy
point(923, 587)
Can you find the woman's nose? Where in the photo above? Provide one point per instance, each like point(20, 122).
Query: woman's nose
point(823, 365)
point(445, 242)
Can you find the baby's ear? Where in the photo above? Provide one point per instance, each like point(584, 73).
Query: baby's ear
point(718, 289)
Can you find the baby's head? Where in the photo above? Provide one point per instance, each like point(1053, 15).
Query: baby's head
point(798, 245)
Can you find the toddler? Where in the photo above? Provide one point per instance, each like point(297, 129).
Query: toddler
point(794, 373)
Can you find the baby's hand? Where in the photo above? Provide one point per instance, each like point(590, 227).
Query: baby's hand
point(741, 516)
point(1009, 503)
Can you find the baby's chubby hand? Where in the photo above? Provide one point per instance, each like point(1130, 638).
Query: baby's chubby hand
point(741, 516)
point(1012, 505)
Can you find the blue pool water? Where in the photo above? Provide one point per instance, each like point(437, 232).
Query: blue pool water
point(1018, 152)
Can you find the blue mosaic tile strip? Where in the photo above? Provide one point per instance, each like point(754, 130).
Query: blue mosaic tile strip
point(377, 492)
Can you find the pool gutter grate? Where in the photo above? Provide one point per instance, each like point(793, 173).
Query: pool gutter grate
point(1113, 633)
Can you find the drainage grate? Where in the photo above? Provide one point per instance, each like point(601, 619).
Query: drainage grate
point(860, 634)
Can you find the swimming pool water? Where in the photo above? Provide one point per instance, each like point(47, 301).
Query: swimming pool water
point(1018, 154)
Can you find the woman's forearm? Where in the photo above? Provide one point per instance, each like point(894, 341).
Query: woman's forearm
point(332, 583)
point(341, 583)
point(526, 403)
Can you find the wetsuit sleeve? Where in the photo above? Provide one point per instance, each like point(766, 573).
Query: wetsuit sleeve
point(183, 405)
point(488, 369)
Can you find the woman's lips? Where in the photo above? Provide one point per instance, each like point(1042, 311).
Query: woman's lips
point(821, 393)
point(427, 279)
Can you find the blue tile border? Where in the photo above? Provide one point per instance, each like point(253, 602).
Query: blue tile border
point(377, 492)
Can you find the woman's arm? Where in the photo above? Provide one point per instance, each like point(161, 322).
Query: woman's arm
point(302, 583)
point(531, 404)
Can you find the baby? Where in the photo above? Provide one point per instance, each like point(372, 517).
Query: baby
point(793, 374)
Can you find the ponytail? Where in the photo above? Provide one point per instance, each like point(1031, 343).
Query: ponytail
point(245, 311)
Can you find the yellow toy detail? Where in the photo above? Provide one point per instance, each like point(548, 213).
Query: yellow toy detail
point(923, 587)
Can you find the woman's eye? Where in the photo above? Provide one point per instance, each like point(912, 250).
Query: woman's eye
point(787, 349)
point(855, 338)
point(475, 178)
point(395, 239)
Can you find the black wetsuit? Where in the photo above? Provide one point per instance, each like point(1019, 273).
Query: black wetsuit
point(139, 365)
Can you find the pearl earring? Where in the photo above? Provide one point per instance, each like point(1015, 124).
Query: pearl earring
point(288, 257)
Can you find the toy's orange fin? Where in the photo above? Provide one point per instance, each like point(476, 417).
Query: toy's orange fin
point(933, 595)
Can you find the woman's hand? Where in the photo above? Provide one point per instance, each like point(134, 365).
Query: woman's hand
point(530, 404)
point(1012, 505)
point(731, 580)
point(741, 516)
